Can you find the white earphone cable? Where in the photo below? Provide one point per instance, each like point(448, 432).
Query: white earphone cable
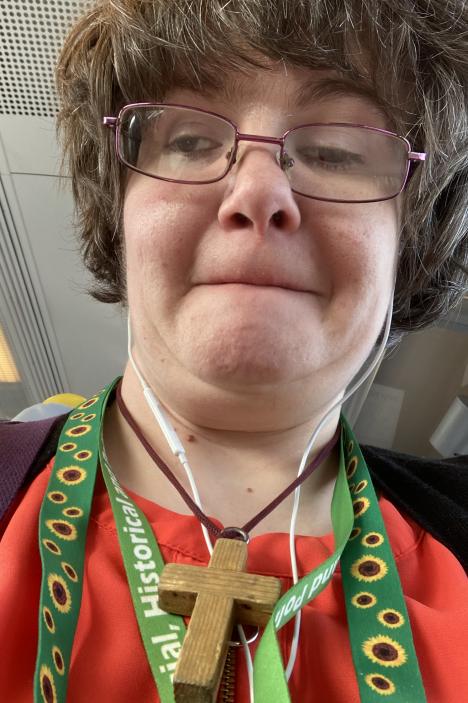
point(303, 463)
point(169, 433)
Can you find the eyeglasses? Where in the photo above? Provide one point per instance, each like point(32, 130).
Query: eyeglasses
point(336, 162)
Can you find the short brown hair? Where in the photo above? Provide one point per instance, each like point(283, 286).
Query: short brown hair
point(417, 57)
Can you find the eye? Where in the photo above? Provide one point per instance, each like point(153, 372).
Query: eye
point(329, 157)
point(190, 144)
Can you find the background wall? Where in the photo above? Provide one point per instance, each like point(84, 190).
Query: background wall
point(429, 370)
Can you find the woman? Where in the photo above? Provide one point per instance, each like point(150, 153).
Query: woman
point(259, 275)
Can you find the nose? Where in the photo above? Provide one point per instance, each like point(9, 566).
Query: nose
point(258, 195)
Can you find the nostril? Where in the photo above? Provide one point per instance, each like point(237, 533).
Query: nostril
point(277, 217)
point(240, 218)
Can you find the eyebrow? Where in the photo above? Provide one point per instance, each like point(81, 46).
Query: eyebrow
point(313, 89)
point(310, 90)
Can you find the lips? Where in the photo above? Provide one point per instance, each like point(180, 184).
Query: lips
point(259, 279)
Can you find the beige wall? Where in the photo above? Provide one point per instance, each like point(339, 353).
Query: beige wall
point(430, 367)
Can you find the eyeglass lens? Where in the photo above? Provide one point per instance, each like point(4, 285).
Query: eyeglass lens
point(324, 161)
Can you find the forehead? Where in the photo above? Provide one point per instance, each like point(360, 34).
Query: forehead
point(297, 88)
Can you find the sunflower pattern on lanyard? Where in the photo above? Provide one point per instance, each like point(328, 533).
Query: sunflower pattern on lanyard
point(385, 665)
point(63, 521)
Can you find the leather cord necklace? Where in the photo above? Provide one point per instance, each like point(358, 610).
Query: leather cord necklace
point(204, 519)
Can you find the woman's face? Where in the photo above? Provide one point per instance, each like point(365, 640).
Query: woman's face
point(241, 284)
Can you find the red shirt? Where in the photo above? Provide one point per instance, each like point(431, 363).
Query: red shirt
point(108, 660)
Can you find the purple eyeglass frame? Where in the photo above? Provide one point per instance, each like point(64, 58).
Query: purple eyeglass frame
point(413, 157)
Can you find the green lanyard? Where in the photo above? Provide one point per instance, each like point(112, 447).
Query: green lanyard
point(381, 641)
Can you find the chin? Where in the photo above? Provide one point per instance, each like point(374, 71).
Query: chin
point(235, 362)
point(243, 373)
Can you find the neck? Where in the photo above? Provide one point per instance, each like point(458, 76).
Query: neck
point(237, 472)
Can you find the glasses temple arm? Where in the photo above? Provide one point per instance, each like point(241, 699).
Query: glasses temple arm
point(110, 122)
point(417, 156)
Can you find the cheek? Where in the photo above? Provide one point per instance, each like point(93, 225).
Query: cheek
point(359, 246)
point(159, 248)
point(360, 243)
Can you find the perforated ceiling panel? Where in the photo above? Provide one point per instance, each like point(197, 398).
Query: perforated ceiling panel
point(31, 34)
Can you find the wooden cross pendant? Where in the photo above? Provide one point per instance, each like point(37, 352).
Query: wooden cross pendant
point(217, 597)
